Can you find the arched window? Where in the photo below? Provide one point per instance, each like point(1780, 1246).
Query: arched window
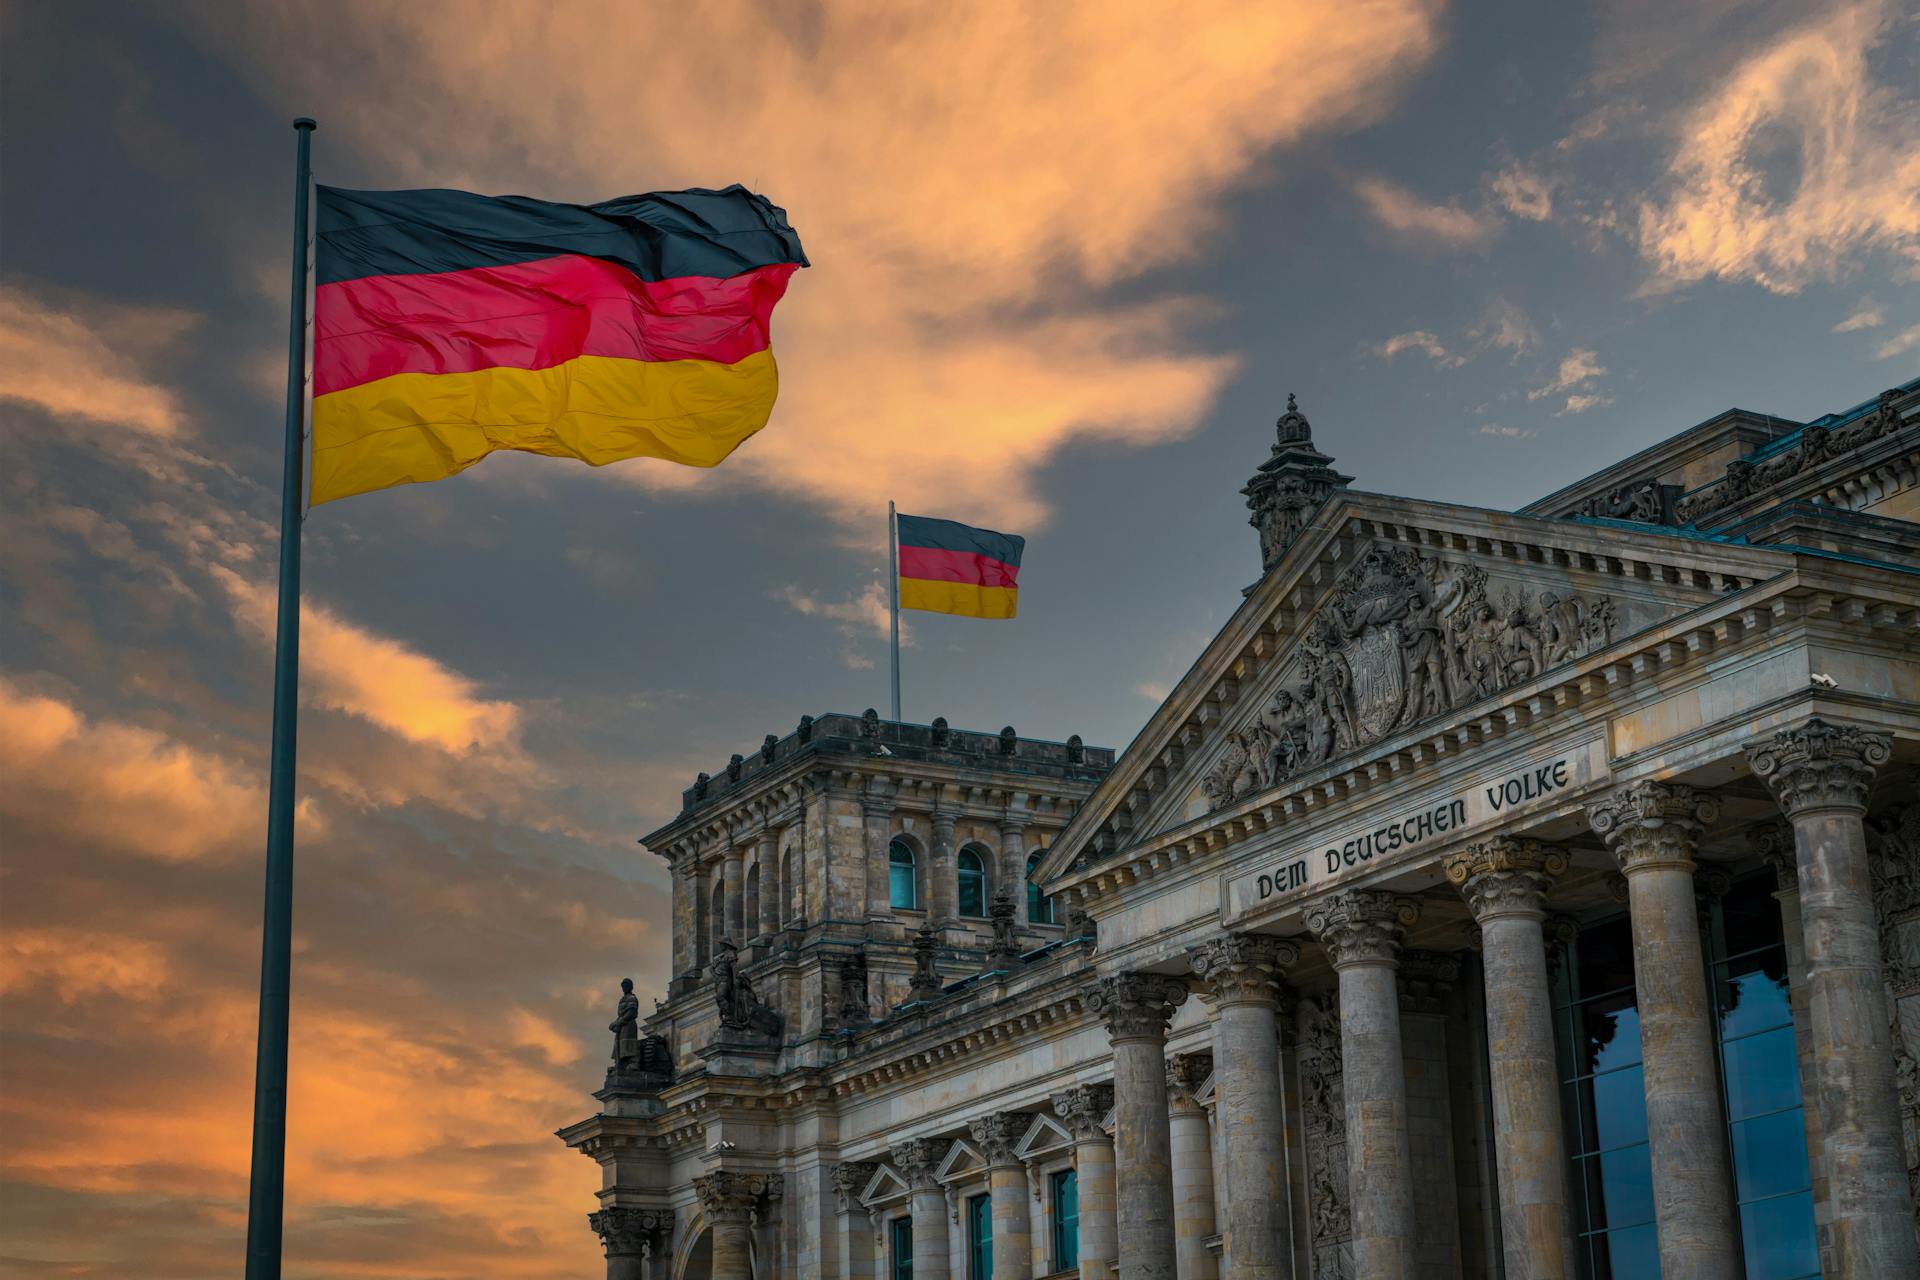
point(1039, 905)
point(973, 881)
point(750, 903)
point(902, 890)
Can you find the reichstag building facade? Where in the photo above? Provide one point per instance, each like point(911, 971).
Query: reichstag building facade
point(1527, 894)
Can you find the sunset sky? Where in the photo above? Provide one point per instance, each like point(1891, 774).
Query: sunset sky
point(1068, 260)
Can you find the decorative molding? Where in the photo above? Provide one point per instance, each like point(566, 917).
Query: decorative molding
point(629, 1232)
point(1187, 1074)
point(1323, 1112)
point(919, 1161)
point(1652, 824)
point(1744, 478)
point(1136, 1006)
point(998, 1137)
point(1426, 980)
point(728, 1194)
point(1505, 876)
point(1243, 968)
point(1083, 1109)
point(1820, 766)
point(1362, 926)
point(1406, 638)
point(850, 1180)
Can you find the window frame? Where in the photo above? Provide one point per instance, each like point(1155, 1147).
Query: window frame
point(1063, 1233)
point(900, 1247)
point(1039, 905)
point(981, 855)
point(900, 844)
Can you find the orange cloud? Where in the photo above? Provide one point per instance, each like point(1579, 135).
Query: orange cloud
point(967, 179)
point(1805, 104)
point(1441, 226)
point(122, 786)
point(86, 364)
point(378, 679)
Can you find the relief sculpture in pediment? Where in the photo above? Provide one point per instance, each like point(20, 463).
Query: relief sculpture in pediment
point(1404, 639)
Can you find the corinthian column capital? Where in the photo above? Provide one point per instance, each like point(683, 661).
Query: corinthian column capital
point(1820, 766)
point(1243, 968)
point(1652, 824)
point(919, 1161)
point(1362, 926)
point(729, 1194)
point(1505, 876)
point(997, 1135)
point(1136, 1005)
point(850, 1179)
point(629, 1232)
point(1084, 1108)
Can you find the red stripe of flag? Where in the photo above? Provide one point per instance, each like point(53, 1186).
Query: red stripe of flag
point(956, 566)
point(535, 315)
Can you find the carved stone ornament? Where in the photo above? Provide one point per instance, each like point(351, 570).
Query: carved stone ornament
point(1820, 766)
point(919, 1161)
point(1773, 841)
point(1744, 478)
point(628, 1232)
point(1426, 980)
point(768, 745)
point(870, 724)
point(1652, 824)
point(1076, 750)
point(850, 1179)
point(740, 1009)
point(1404, 639)
point(1009, 741)
point(730, 1194)
point(1323, 1115)
point(1136, 1005)
point(940, 734)
point(1292, 484)
point(997, 1135)
point(1243, 967)
point(1505, 876)
point(853, 990)
point(925, 983)
point(1894, 871)
point(734, 764)
point(1186, 1075)
point(1003, 952)
point(805, 732)
point(1362, 926)
point(1083, 1109)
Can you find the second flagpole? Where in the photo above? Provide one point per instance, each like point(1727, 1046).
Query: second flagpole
point(893, 597)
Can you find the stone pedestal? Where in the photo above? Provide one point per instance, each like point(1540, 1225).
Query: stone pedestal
point(635, 1240)
point(1362, 931)
point(1652, 829)
point(1820, 775)
point(1242, 973)
point(918, 1161)
point(997, 1136)
point(1083, 1109)
point(1505, 884)
point(1190, 1144)
point(1137, 1008)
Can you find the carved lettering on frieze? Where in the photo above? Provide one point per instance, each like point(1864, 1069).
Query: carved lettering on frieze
point(1405, 639)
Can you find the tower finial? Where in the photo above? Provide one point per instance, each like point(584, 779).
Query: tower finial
point(1290, 485)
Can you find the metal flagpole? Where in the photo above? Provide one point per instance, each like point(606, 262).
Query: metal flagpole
point(893, 586)
point(267, 1192)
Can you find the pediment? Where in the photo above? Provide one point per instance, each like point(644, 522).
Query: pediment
point(1388, 616)
point(1042, 1136)
point(885, 1184)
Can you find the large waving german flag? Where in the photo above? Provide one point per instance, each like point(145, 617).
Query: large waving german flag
point(448, 325)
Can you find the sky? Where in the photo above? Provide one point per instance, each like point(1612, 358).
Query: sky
point(1068, 261)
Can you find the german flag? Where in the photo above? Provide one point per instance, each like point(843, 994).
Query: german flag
point(448, 325)
point(948, 567)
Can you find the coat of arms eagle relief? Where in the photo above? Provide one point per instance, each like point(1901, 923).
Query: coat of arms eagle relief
point(1405, 638)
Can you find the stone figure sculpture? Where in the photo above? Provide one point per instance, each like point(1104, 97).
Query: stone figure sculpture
point(740, 1009)
point(626, 1024)
point(1403, 639)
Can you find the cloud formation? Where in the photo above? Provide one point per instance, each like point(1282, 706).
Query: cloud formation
point(1423, 341)
point(1867, 315)
point(1793, 165)
point(1899, 344)
point(1019, 178)
point(87, 364)
point(1420, 223)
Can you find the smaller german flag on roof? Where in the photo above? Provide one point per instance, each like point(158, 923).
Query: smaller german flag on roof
point(948, 567)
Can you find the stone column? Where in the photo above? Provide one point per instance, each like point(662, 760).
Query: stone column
point(729, 1199)
point(942, 890)
point(685, 926)
point(876, 813)
point(1362, 930)
point(997, 1136)
point(856, 1229)
point(918, 1161)
point(1652, 830)
point(733, 864)
point(1013, 861)
point(767, 858)
point(1242, 973)
point(633, 1238)
point(1137, 1008)
point(1505, 884)
point(1773, 841)
point(1190, 1148)
point(1084, 1109)
point(1820, 775)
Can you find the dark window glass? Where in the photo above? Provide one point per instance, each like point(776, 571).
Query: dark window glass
point(1066, 1220)
point(900, 878)
point(1608, 1032)
point(900, 1245)
point(980, 1238)
point(1039, 905)
point(1778, 1235)
point(1762, 1074)
point(1752, 994)
point(973, 882)
point(1619, 1102)
point(1633, 1254)
point(1770, 1155)
point(1619, 1188)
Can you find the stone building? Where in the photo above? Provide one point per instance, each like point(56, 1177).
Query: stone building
point(1529, 894)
